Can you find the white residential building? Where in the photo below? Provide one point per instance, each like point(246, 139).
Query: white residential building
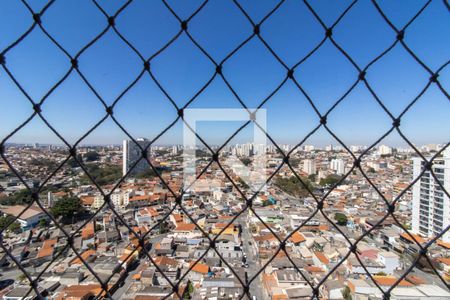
point(431, 206)
point(338, 166)
point(384, 150)
point(309, 166)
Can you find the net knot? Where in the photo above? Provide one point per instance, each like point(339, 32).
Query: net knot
point(434, 77)
point(109, 110)
point(252, 116)
point(35, 196)
point(147, 66)
point(290, 73)
point(396, 122)
point(74, 63)
point(37, 108)
point(423, 251)
point(144, 153)
point(73, 151)
point(320, 205)
point(184, 25)
point(37, 18)
point(391, 208)
point(256, 29)
point(362, 75)
point(215, 157)
point(219, 69)
point(111, 21)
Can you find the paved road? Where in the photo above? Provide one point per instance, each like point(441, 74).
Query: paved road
point(252, 258)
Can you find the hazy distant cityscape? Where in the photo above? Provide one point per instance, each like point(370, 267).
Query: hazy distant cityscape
point(175, 235)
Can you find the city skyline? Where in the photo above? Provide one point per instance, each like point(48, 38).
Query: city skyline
point(201, 146)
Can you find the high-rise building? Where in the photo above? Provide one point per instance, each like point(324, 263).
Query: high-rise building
point(431, 206)
point(308, 148)
point(174, 150)
point(338, 166)
point(384, 150)
point(309, 166)
point(132, 153)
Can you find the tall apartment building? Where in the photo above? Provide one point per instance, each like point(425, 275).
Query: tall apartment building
point(308, 148)
point(309, 166)
point(337, 165)
point(384, 150)
point(431, 207)
point(131, 153)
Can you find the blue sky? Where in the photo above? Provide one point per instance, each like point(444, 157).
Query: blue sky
point(253, 72)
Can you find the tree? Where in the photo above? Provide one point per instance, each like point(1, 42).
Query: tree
point(371, 170)
point(43, 223)
point(246, 161)
point(202, 153)
point(346, 293)
point(19, 197)
point(189, 291)
point(102, 175)
point(22, 277)
point(73, 163)
point(148, 173)
point(164, 227)
point(266, 203)
point(330, 180)
point(91, 156)
point(243, 183)
point(293, 186)
point(341, 219)
point(67, 207)
point(44, 163)
point(13, 227)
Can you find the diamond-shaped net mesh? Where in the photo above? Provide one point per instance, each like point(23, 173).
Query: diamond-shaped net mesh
point(142, 239)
